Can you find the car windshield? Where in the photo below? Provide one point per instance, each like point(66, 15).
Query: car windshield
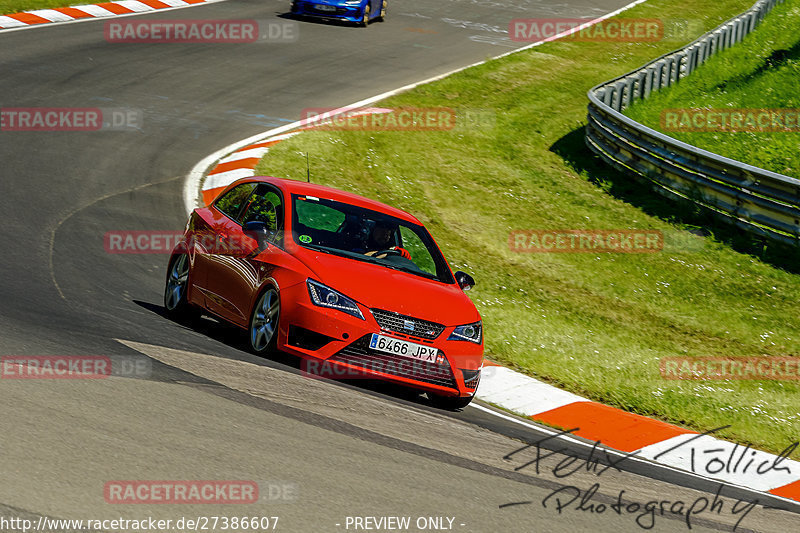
point(366, 235)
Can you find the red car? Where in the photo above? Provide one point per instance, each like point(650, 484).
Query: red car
point(354, 287)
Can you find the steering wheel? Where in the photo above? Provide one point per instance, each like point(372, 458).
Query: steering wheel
point(395, 251)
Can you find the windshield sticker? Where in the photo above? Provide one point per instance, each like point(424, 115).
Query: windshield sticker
point(305, 239)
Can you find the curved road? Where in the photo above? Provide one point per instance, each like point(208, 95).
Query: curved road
point(204, 408)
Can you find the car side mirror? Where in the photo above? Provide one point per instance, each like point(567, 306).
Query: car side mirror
point(464, 280)
point(258, 230)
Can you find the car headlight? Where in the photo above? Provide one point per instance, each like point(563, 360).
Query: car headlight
point(468, 332)
point(352, 2)
point(324, 296)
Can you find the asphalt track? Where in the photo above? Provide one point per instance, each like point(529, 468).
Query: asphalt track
point(206, 409)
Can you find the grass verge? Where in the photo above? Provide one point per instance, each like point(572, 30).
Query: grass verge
point(760, 72)
point(15, 6)
point(594, 324)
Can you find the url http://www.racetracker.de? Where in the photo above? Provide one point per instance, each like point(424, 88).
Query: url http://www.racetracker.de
point(198, 523)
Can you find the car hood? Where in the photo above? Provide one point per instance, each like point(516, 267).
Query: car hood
point(379, 287)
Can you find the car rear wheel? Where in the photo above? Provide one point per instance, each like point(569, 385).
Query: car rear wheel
point(451, 403)
point(175, 300)
point(263, 330)
point(365, 18)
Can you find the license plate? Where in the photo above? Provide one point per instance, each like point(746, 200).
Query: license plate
point(325, 7)
point(402, 348)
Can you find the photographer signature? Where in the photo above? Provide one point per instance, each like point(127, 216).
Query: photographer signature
point(598, 461)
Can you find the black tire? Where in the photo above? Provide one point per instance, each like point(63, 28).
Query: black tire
point(175, 290)
point(262, 331)
point(451, 403)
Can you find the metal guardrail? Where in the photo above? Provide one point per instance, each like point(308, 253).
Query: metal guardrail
point(756, 200)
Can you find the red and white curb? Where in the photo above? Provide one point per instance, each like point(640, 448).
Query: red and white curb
point(104, 10)
point(242, 162)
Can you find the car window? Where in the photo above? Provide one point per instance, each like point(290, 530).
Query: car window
point(232, 202)
point(416, 248)
point(343, 229)
point(265, 205)
point(317, 216)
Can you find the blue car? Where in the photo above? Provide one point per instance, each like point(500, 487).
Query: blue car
point(358, 11)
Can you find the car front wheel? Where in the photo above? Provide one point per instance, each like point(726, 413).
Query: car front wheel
point(365, 18)
point(263, 330)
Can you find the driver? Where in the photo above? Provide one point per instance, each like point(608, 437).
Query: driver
point(380, 239)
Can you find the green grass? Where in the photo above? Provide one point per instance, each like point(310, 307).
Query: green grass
point(760, 72)
point(595, 324)
point(15, 6)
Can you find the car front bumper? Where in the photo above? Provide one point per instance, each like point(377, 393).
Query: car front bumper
point(312, 9)
point(334, 344)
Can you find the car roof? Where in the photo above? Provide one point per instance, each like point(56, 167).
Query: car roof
point(329, 193)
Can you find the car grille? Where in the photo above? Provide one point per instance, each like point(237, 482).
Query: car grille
point(359, 354)
point(407, 325)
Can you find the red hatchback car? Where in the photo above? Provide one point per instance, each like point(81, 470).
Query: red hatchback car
point(354, 287)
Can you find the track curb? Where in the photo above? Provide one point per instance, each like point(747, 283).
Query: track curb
point(120, 8)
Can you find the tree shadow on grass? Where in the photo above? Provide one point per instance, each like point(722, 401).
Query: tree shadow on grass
point(573, 150)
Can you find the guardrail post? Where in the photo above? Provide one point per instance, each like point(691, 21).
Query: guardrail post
point(739, 30)
point(694, 57)
point(675, 68)
point(648, 82)
point(619, 89)
point(608, 95)
point(724, 37)
point(716, 37)
point(641, 80)
point(657, 67)
point(751, 22)
point(682, 64)
point(629, 84)
point(703, 53)
point(664, 73)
